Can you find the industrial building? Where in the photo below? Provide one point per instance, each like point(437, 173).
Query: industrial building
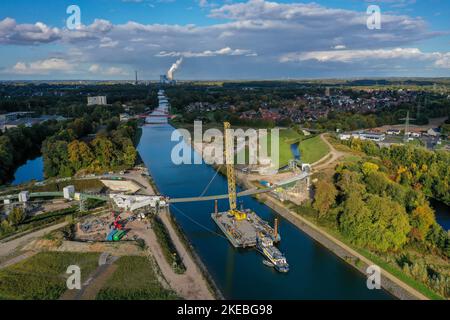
point(376, 137)
point(97, 101)
point(164, 79)
point(17, 119)
point(135, 204)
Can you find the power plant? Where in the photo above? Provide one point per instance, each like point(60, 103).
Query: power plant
point(169, 77)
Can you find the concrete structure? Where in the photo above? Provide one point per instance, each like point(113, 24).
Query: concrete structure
point(97, 101)
point(24, 196)
point(137, 203)
point(69, 192)
point(124, 186)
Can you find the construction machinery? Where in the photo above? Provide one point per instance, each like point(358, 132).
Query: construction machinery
point(244, 228)
point(229, 158)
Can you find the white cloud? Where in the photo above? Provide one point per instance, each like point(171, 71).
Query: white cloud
point(369, 56)
point(31, 34)
point(227, 51)
point(96, 69)
point(275, 33)
point(43, 67)
point(108, 43)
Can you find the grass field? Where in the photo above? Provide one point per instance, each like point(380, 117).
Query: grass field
point(312, 149)
point(135, 279)
point(43, 276)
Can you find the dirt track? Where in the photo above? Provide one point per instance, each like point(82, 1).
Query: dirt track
point(330, 158)
point(190, 285)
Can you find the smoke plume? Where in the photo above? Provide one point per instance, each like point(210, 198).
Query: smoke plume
point(174, 68)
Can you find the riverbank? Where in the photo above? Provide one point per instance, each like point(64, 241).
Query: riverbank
point(195, 272)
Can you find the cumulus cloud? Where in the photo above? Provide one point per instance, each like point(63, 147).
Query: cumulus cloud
point(275, 34)
point(96, 69)
point(42, 66)
point(437, 59)
point(22, 34)
point(208, 53)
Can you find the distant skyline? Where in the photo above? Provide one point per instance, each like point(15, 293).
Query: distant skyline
point(228, 40)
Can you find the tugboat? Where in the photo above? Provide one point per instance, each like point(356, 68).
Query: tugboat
point(273, 255)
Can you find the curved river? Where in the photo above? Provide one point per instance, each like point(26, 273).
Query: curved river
point(315, 272)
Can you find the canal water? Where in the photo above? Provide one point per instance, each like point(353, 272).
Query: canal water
point(31, 170)
point(315, 272)
point(442, 213)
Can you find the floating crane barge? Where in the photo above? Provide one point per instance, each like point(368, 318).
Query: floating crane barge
point(244, 228)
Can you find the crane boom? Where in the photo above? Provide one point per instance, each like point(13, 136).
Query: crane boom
point(229, 159)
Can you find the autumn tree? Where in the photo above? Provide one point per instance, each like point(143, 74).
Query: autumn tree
point(422, 218)
point(390, 224)
point(350, 181)
point(325, 197)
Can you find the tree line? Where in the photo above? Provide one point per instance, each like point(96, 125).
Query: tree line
point(422, 169)
point(66, 154)
point(17, 145)
point(396, 222)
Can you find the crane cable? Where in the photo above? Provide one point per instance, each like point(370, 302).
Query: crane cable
point(209, 184)
point(197, 223)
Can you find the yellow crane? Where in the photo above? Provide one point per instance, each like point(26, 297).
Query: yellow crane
point(229, 160)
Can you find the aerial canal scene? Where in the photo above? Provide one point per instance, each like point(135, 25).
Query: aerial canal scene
point(190, 176)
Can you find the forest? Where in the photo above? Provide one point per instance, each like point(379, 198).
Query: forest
point(391, 221)
point(111, 148)
point(416, 167)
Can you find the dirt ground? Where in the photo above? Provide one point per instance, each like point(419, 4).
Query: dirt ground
point(190, 285)
point(116, 248)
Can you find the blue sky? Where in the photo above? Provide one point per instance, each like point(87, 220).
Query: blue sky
point(248, 39)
